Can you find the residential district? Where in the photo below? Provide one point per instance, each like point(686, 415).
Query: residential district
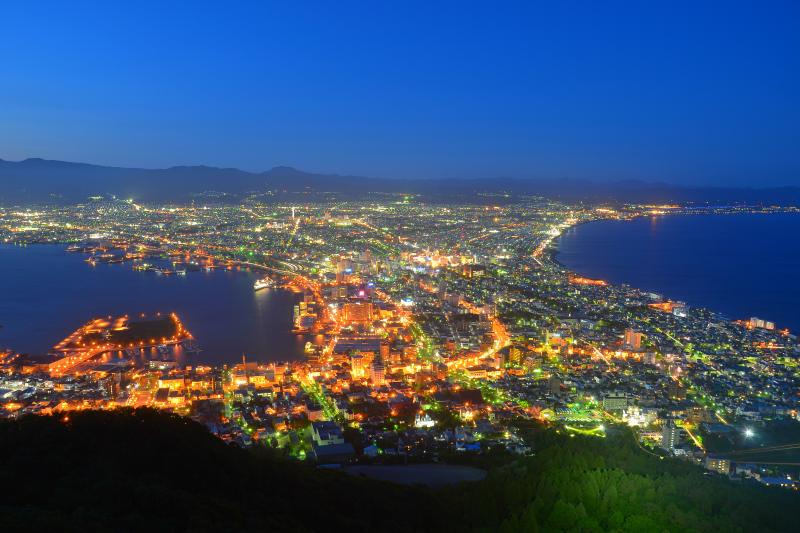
point(437, 327)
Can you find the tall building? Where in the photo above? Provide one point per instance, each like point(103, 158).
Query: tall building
point(344, 268)
point(670, 435)
point(633, 339)
point(358, 365)
point(359, 313)
point(515, 355)
point(760, 323)
point(365, 262)
point(376, 372)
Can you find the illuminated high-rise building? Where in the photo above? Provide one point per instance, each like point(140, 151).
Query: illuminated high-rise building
point(760, 323)
point(360, 313)
point(344, 266)
point(377, 372)
point(358, 365)
point(633, 339)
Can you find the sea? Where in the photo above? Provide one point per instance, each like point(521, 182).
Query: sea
point(46, 293)
point(740, 265)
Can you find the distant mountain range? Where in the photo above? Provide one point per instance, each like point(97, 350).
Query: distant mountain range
point(40, 180)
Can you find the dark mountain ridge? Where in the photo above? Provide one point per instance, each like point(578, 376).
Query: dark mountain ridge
point(40, 180)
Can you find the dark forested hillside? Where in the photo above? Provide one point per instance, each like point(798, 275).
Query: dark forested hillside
point(149, 471)
point(592, 484)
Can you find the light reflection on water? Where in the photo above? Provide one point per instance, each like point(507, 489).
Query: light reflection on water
point(47, 293)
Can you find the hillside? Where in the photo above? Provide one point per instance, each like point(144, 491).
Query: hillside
point(147, 470)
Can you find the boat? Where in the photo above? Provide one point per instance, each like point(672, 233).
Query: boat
point(263, 283)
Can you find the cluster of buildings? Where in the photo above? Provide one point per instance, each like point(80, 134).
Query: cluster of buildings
point(441, 326)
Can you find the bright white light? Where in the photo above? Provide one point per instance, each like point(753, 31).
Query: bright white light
point(749, 433)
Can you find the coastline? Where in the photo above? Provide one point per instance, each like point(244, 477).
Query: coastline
point(262, 319)
point(555, 251)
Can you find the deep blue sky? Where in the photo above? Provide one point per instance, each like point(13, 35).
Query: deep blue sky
point(700, 92)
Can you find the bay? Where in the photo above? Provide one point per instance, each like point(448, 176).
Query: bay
point(741, 265)
point(46, 293)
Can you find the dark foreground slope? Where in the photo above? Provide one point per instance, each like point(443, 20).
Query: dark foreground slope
point(149, 471)
point(611, 484)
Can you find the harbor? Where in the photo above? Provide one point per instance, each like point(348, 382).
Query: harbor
point(216, 301)
point(81, 351)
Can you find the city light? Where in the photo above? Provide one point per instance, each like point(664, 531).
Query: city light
point(438, 326)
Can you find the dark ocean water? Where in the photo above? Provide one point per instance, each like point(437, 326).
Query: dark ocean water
point(46, 293)
point(740, 265)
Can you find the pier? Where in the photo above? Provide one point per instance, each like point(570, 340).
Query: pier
point(102, 335)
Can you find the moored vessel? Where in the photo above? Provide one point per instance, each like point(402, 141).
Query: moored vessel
point(263, 283)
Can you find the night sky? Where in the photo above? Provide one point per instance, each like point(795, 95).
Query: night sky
point(683, 92)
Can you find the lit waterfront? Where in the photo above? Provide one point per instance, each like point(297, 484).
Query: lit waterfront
point(740, 265)
point(439, 327)
point(47, 293)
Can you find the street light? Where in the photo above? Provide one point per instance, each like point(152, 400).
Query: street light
point(749, 433)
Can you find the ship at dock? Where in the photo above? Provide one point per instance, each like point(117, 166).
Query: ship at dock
point(263, 283)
